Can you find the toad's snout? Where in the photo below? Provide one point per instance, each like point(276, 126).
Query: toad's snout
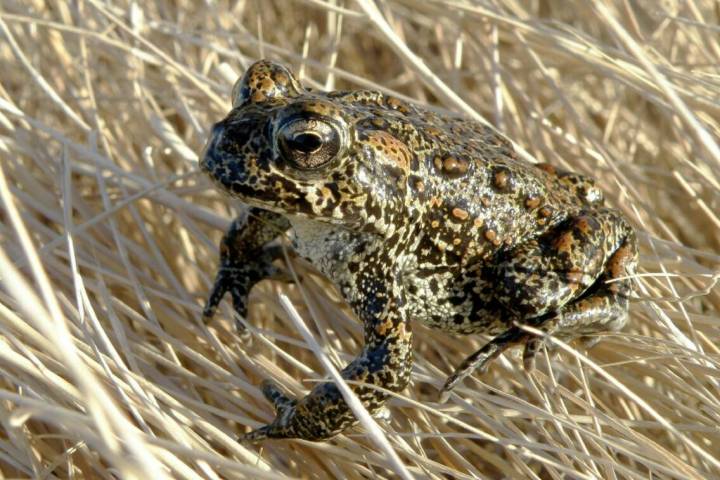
point(208, 160)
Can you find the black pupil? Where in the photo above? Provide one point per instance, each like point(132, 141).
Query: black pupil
point(305, 142)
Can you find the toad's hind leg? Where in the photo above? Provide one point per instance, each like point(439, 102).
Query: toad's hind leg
point(543, 274)
point(603, 308)
point(600, 307)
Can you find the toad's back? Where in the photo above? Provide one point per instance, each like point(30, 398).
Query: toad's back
point(473, 194)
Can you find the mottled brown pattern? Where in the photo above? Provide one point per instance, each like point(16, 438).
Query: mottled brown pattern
point(415, 216)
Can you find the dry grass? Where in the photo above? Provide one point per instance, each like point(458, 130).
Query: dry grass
point(109, 237)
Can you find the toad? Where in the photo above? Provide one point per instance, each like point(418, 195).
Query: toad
point(414, 216)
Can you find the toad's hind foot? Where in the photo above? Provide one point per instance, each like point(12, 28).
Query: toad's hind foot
point(599, 312)
point(482, 358)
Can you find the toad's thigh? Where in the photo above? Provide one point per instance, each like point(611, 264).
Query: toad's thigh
point(604, 306)
point(543, 274)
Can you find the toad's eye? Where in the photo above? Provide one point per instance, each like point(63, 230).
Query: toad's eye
point(309, 143)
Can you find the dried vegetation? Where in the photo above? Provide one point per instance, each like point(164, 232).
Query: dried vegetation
point(109, 232)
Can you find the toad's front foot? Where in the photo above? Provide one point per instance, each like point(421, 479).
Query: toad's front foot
point(281, 427)
point(318, 416)
point(237, 278)
point(383, 365)
point(231, 280)
point(246, 259)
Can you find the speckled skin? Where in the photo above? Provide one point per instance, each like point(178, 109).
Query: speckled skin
point(415, 216)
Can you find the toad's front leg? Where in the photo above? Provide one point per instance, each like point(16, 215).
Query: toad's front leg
point(245, 259)
point(385, 361)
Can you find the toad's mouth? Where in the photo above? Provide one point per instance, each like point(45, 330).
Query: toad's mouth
point(347, 220)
